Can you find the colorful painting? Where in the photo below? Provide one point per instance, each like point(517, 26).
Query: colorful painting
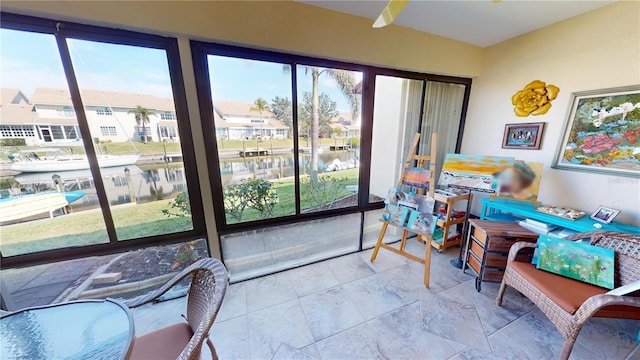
point(396, 215)
point(474, 172)
point(424, 224)
point(521, 182)
point(523, 136)
point(576, 260)
point(417, 178)
point(602, 132)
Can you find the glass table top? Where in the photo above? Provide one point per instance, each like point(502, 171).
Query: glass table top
point(89, 329)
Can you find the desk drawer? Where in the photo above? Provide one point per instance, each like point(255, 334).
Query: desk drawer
point(499, 243)
point(480, 235)
point(492, 274)
point(496, 259)
point(474, 263)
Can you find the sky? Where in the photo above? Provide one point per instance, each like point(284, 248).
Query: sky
point(31, 60)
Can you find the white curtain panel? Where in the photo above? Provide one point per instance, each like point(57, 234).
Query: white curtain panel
point(442, 110)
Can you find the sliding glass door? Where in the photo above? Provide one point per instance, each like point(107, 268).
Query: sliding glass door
point(303, 150)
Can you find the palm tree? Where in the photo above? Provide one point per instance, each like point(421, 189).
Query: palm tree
point(142, 118)
point(347, 83)
point(259, 106)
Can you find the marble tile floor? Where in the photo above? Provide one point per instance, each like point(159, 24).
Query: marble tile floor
point(349, 308)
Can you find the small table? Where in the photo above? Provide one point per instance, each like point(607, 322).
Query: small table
point(496, 209)
point(87, 329)
point(488, 245)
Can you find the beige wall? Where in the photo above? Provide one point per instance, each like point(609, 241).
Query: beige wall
point(279, 25)
point(600, 49)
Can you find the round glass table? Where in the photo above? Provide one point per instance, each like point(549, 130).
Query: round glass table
point(86, 329)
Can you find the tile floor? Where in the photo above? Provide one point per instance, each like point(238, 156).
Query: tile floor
point(349, 308)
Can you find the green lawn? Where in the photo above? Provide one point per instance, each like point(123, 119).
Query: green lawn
point(286, 195)
point(87, 227)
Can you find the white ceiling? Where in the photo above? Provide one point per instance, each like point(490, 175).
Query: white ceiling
point(479, 22)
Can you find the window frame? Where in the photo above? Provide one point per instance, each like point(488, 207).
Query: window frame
point(62, 30)
point(200, 50)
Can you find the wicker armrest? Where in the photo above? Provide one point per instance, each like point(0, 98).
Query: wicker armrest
point(597, 302)
point(515, 249)
point(149, 297)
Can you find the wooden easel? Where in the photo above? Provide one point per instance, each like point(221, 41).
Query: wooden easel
point(420, 162)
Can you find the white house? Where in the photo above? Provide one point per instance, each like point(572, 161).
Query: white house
point(48, 118)
point(236, 121)
point(343, 126)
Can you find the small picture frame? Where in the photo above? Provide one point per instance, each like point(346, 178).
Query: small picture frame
point(527, 136)
point(604, 214)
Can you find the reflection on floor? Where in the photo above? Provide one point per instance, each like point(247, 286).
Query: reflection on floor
point(349, 308)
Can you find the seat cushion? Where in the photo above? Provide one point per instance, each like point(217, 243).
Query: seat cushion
point(569, 294)
point(166, 343)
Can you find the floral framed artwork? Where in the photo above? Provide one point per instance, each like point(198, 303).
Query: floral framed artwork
point(523, 136)
point(602, 132)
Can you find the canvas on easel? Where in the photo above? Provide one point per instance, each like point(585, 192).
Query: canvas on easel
point(413, 188)
point(521, 182)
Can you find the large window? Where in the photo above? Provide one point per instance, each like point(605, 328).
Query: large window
point(96, 181)
point(139, 90)
point(251, 102)
point(328, 109)
point(306, 149)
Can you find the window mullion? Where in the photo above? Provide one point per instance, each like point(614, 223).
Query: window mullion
point(296, 135)
point(85, 133)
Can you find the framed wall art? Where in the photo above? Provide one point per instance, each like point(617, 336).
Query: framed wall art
point(602, 132)
point(523, 136)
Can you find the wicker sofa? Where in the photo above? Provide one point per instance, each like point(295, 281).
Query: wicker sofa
point(569, 303)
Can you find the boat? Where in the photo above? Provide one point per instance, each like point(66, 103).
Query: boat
point(58, 160)
point(23, 206)
point(74, 175)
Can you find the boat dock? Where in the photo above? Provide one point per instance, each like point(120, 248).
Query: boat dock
point(253, 153)
point(339, 147)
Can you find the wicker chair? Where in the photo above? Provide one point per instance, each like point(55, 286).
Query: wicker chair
point(184, 340)
point(569, 303)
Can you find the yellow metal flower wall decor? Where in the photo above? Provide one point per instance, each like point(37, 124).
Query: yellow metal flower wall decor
point(534, 99)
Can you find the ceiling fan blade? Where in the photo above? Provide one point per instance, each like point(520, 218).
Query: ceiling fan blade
point(390, 12)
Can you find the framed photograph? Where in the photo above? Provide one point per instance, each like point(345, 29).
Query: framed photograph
point(602, 132)
point(526, 136)
point(604, 214)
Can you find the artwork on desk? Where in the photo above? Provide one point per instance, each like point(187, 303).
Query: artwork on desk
point(604, 214)
point(577, 260)
point(523, 136)
point(562, 212)
point(473, 172)
point(395, 214)
point(417, 179)
point(521, 182)
point(602, 132)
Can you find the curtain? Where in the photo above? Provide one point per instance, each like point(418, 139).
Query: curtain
point(442, 111)
point(413, 95)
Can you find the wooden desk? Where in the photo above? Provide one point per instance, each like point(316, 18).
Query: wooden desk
point(87, 329)
point(498, 210)
point(488, 245)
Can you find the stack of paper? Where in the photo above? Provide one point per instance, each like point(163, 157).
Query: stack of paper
point(537, 227)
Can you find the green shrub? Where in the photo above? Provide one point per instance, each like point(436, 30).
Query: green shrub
point(13, 142)
point(355, 142)
point(257, 194)
point(324, 190)
point(179, 207)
